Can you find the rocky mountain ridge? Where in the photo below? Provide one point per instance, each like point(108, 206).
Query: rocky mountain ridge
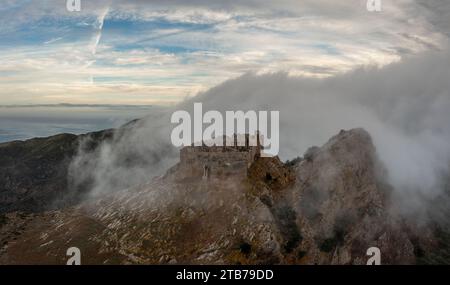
point(328, 207)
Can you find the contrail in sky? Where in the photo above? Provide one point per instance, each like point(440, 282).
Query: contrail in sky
point(98, 25)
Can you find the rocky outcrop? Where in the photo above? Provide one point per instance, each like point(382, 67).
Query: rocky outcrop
point(341, 205)
point(327, 208)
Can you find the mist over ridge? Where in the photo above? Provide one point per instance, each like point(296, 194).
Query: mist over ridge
point(404, 106)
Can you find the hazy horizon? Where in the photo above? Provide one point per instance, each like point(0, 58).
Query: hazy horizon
point(26, 122)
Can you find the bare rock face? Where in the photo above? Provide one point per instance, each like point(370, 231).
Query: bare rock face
point(341, 205)
point(272, 173)
point(328, 208)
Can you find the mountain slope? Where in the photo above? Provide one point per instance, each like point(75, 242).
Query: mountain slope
point(34, 174)
point(327, 208)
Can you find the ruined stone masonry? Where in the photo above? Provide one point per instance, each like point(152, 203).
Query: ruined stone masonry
point(234, 158)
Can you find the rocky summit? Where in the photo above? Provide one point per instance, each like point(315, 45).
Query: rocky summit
point(327, 207)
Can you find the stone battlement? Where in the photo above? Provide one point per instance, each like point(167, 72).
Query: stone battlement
point(233, 158)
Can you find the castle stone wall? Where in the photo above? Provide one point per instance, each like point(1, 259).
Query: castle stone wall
point(217, 161)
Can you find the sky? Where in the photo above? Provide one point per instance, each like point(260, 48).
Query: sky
point(161, 52)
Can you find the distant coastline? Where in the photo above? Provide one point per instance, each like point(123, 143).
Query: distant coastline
point(22, 122)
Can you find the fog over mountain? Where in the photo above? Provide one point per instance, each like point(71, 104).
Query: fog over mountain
point(363, 99)
point(404, 106)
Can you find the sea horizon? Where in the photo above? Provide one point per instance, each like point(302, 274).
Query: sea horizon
point(23, 122)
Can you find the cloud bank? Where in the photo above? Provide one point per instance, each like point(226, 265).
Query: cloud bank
point(404, 106)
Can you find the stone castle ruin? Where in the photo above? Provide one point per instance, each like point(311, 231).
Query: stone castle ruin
point(234, 158)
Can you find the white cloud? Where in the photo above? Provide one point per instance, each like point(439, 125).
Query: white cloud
point(221, 41)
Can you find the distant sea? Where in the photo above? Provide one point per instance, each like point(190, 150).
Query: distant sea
point(25, 122)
